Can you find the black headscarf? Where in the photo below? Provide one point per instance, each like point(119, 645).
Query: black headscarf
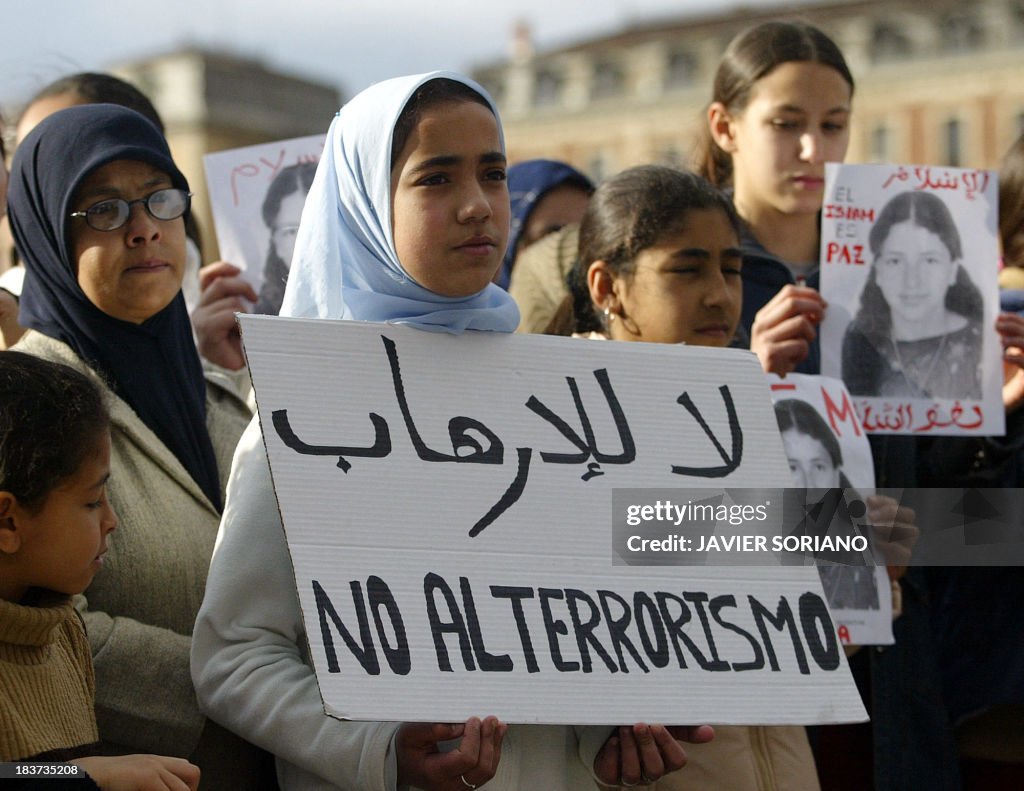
point(153, 366)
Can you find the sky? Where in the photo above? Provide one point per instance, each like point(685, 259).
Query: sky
point(348, 44)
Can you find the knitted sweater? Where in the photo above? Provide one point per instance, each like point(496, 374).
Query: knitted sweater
point(46, 683)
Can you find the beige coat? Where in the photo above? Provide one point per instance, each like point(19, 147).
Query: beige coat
point(141, 607)
point(538, 281)
point(747, 758)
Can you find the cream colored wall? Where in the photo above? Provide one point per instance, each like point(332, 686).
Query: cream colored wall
point(912, 98)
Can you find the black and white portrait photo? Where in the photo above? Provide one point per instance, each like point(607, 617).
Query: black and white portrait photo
point(909, 269)
point(256, 195)
point(281, 212)
point(826, 449)
point(917, 332)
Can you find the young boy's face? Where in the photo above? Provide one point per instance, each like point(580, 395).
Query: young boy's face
point(449, 200)
point(61, 547)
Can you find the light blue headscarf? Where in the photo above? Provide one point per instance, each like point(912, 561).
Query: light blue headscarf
point(345, 265)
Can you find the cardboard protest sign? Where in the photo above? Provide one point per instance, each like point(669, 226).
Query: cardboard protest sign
point(447, 503)
point(909, 261)
point(827, 448)
point(256, 195)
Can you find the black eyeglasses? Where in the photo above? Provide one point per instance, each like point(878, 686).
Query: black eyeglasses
point(109, 215)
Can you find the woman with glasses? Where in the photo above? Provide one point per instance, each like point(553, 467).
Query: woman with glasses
point(97, 210)
point(213, 292)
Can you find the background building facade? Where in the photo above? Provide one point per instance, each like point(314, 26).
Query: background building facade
point(938, 82)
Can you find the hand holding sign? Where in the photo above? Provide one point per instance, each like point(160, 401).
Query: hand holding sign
point(644, 753)
point(472, 763)
point(222, 295)
point(896, 532)
point(783, 329)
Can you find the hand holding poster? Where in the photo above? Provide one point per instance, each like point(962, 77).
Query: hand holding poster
point(827, 448)
point(257, 194)
point(913, 296)
point(447, 503)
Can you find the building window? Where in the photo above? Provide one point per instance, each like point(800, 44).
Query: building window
point(880, 144)
point(608, 80)
point(953, 137)
point(547, 88)
point(889, 42)
point(681, 70)
point(961, 32)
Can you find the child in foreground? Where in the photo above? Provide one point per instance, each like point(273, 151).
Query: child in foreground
point(54, 522)
point(406, 222)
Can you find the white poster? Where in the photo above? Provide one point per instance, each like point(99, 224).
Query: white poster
point(826, 449)
point(447, 503)
point(256, 195)
point(909, 263)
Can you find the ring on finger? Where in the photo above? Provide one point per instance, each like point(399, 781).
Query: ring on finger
point(465, 782)
point(622, 782)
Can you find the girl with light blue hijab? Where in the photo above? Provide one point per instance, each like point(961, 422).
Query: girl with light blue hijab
point(345, 265)
point(406, 222)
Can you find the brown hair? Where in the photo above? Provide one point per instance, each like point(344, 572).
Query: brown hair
point(753, 54)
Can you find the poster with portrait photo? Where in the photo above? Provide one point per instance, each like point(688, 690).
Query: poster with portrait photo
point(256, 195)
point(909, 266)
point(827, 448)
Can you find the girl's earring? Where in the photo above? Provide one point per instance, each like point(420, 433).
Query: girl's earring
point(608, 316)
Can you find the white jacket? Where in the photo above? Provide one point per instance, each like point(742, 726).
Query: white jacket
point(251, 675)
